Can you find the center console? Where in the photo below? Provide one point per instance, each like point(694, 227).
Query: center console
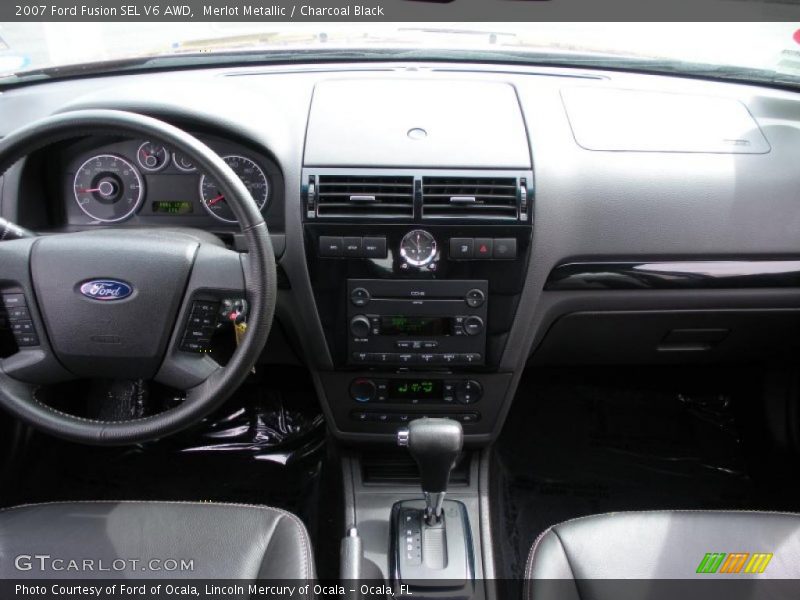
point(417, 220)
point(417, 217)
point(415, 314)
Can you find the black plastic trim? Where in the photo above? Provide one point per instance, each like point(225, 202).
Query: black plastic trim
point(675, 275)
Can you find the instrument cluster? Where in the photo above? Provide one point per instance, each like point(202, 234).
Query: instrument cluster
point(135, 180)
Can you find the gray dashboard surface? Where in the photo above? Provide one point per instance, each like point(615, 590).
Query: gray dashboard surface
point(413, 122)
point(645, 121)
point(592, 205)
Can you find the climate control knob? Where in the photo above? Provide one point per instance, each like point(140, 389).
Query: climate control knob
point(468, 391)
point(359, 326)
point(362, 390)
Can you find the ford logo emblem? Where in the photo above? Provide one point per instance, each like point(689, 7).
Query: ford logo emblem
point(106, 290)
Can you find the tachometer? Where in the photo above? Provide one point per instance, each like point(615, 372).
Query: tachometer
point(251, 175)
point(108, 188)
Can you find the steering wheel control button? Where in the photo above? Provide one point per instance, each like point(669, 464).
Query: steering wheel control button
point(20, 327)
point(360, 297)
point(468, 391)
point(363, 390)
point(19, 320)
point(374, 247)
point(14, 300)
point(505, 248)
point(330, 246)
point(20, 312)
point(475, 298)
point(484, 247)
point(352, 247)
point(200, 327)
point(28, 339)
point(461, 248)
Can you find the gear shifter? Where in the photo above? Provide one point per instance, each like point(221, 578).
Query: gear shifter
point(435, 444)
point(432, 541)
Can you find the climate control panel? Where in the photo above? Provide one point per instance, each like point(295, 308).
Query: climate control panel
point(415, 391)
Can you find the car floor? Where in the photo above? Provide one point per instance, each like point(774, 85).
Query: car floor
point(268, 446)
point(585, 441)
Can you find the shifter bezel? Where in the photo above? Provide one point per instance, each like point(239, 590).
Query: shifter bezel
point(458, 575)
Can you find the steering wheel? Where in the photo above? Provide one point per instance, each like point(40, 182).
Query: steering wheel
point(133, 328)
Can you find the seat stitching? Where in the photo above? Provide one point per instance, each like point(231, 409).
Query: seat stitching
point(529, 566)
point(303, 534)
point(681, 510)
point(569, 563)
point(303, 541)
point(269, 540)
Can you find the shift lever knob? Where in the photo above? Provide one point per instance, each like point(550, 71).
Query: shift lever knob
point(435, 444)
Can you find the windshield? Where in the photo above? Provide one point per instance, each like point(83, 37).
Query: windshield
point(748, 51)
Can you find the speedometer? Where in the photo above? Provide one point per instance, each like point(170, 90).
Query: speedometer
point(108, 188)
point(251, 175)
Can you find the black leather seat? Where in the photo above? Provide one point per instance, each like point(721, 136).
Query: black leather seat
point(222, 541)
point(663, 545)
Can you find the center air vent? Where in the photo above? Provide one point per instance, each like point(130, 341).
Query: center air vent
point(478, 198)
point(374, 196)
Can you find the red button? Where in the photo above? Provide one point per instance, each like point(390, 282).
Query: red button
point(483, 247)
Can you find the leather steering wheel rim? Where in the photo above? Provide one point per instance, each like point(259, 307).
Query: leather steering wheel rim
point(259, 271)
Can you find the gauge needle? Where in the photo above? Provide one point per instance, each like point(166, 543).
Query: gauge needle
point(216, 199)
point(89, 190)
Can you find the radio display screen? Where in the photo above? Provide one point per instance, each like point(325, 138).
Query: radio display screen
point(399, 325)
point(415, 389)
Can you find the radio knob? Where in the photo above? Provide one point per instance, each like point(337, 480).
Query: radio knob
point(473, 325)
point(475, 298)
point(359, 326)
point(360, 296)
point(362, 390)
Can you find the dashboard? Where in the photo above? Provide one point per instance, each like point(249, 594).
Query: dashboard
point(439, 227)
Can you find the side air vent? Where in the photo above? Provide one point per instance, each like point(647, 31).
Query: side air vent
point(475, 198)
point(369, 197)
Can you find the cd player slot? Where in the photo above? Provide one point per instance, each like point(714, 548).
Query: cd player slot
point(417, 323)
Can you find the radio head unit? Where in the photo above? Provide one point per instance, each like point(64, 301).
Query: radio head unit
point(417, 324)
